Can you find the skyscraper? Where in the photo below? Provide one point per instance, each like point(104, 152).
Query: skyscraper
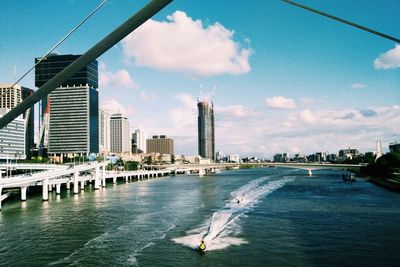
point(12, 138)
point(206, 132)
point(138, 138)
point(160, 144)
point(10, 99)
point(104, 131)
point(74, 107)
point(120, 141)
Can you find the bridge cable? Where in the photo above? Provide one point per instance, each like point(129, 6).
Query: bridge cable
point(344, 21)
point(55, 46)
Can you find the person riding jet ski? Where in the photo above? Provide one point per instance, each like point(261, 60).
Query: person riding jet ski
point(202, 246)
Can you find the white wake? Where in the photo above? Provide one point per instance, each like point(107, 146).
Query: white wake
point(220, 230)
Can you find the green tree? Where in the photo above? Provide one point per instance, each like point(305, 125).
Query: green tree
point(109, 167)
point(384, 167)
point(148, 160)
point(131, 165)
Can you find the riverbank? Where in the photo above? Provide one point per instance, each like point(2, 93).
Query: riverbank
point(390, 184)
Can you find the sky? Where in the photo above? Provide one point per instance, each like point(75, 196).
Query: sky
point(283, 79)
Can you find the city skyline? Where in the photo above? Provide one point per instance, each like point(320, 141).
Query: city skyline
point(279, 88)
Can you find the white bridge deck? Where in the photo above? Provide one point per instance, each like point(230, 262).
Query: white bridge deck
point(53, 176)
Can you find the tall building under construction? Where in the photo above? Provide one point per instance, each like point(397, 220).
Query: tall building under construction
point(206, 132)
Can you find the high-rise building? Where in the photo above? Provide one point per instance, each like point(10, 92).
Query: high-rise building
point(104, 131)
point(206, 132)
point(120, 141)
point(348, 153)
point(160, 144)
point(12, 138)
point(138, 141)
point(11, 97)
point(73, 107)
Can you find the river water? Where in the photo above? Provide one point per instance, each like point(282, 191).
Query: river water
point(283, 218)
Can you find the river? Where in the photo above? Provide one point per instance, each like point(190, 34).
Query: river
point(282, 218)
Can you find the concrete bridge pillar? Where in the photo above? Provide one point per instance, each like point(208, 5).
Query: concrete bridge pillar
point(58, 189)
point(76, 182)
point(68, 185)
point(23, 193)
point(45, 189)
point(114, 179)
point(97, 179)
point(1, 189)
point(103, 176)
point(202, 172)
point(50, 187)
point(126, 178)
point(82, 185)
point(309, 173)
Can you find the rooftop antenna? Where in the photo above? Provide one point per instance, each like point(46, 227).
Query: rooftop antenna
point(213, 93)
point(201, 92)
point(15, 74)
point(344, 21)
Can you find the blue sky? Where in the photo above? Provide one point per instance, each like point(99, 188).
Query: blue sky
point(286, 80)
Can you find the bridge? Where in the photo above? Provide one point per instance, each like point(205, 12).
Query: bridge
point(203, 169)
point(54, 177)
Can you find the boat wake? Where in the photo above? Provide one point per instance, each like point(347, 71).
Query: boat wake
point(221, 230)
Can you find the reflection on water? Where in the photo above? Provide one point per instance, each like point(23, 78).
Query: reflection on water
point(45, 205)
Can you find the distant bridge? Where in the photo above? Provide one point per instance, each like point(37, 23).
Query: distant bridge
point(204, 168)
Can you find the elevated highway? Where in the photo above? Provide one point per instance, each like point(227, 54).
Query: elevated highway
point(54, 176)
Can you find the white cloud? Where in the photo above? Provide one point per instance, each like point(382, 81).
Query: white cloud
point(280, 102)
point(265, 132)
point(389, 60)
point(144, 95)
point(307, 101)
point(120, 79)
point(358, 85)
point(232, 111)
point(307, 116)
point(185, 45)
point(187, 100)
point(114, 106)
